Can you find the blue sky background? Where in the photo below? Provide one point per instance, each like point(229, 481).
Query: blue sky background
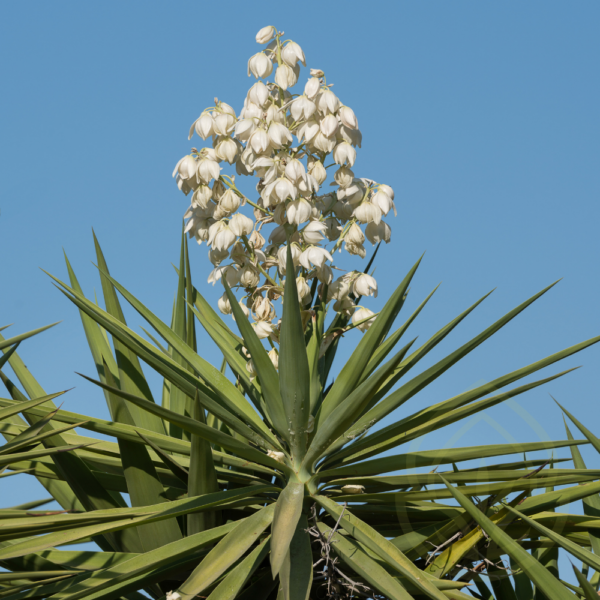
point(482, 116)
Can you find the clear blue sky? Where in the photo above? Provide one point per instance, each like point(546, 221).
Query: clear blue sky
point(483, 116)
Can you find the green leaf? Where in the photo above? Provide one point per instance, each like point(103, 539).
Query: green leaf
point(229, 588)
point(287, 514)
point(171, 464)
point(5, 343)
point(228, 551)
point(541, 577)
point(588, 589)
point(294, 376)
point(296, 573)
point(354, 368)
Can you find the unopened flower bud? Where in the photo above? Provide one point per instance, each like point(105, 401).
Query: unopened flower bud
point(353, 489)
point(266, 34)
point(250, 368)
point(316, 73)
point(224, 305)
point(274, 356)
point(347, 117)
point(355, 235)
point(318, 171)
point(249, 277)
point(229, 203)
point(304, 296)
point(311, 89)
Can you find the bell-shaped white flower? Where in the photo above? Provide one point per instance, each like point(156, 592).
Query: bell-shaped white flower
point(220, 236)
point(224, 305)
point(292, 53)
point(383, 201)
point(355, 235)
point(344, 154)
point(317, 170)
point(284, 189)
point(353, 194)
point(368, 213)
point(378, 232)
point(327, 102)
point(279, 135)
point(347, 117)
point(223, 124)
point(251, 110)
point(338, 290)
point(304, 296)
point(208, 169)
point(186, 167)
point(311, 89)
point(314, 232)
point(266, 34)
point(201, 196)
point(352, 136)
point(307, 186)
point(244, 129)
point(258, 94)
point(365, 285)
point(282, 256)
point(249, 276)
point(274, 356)
point(294, 170)
point(263, 310)
point(302, 108)
point(201, 230)
point(329, 125)
point(240, 224)
point(228, 271)
point(386, 189)
point(204, 126)
point(333, 228)
point(355, 249)
point(360, 314)
point(260, 66)
point(274, 114)
point(259, 141)
point(229, 202)
point(226, 149)
point(216, 257)
point(298, 211)
point(308, 131)
point(323, 143)
point(239, 253)
point(263, 329)
point(344, 177)
point(277, 236)
point(286, 76)
point(314, 255)
point(325, 274)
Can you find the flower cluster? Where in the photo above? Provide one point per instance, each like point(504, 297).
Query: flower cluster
point(284, 140)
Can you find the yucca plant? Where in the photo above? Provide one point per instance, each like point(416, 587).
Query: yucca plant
point(279, 483)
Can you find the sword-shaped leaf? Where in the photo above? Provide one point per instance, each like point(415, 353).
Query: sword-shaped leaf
point(287, 514)
point(6, 343)
point(296, 573)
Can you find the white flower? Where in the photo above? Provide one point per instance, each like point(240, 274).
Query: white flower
point(355, 249)
point(334, 229)
point(298, 211)
point(344, 177)
point(259, 141)
point(274, 356)
point(278, 456)
point(311, 89)
point(343, 210)
point(257, 241)
point(318, 171)
point(368, 213)
point(365, 285)
point(224, 123)
point(348, 118)
point(303, 289)
point(246, 312)
point(204, 126)
point(355, 235)
point(220, 236)
point(230, 273)
point(249, 277)
point(282, 256)
point(260, 65)
point(284, 189)
point(266, 34)
point(314, 255)
point(353, 489)
point(378, 232)
point(263, 310)
point(279, 135)
point(386, 189)
point(230, 202)
point(353, 194)
point(240, 224)
point(352, 136)
point(292, 53)
point(294, 170)
point(251, 110)
point(216, 257)
point(383, 201)
point(338, 290)
point(263, 329)
point(173, 596)
point(361, 314)
point(201, 233)
point(327, 102)
point(302, 108)
point(244, 129)
point(344, 154)
point(186, 167)
point(325, 274)
point(329, 125)
point(201, 196)
point(226, 149)
point(250, 368)
point(322, 143)
point(286, 76)
point(277, 236)
point(314, 232)
point(258, 94)
point(208, 169)
point(224, 304)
